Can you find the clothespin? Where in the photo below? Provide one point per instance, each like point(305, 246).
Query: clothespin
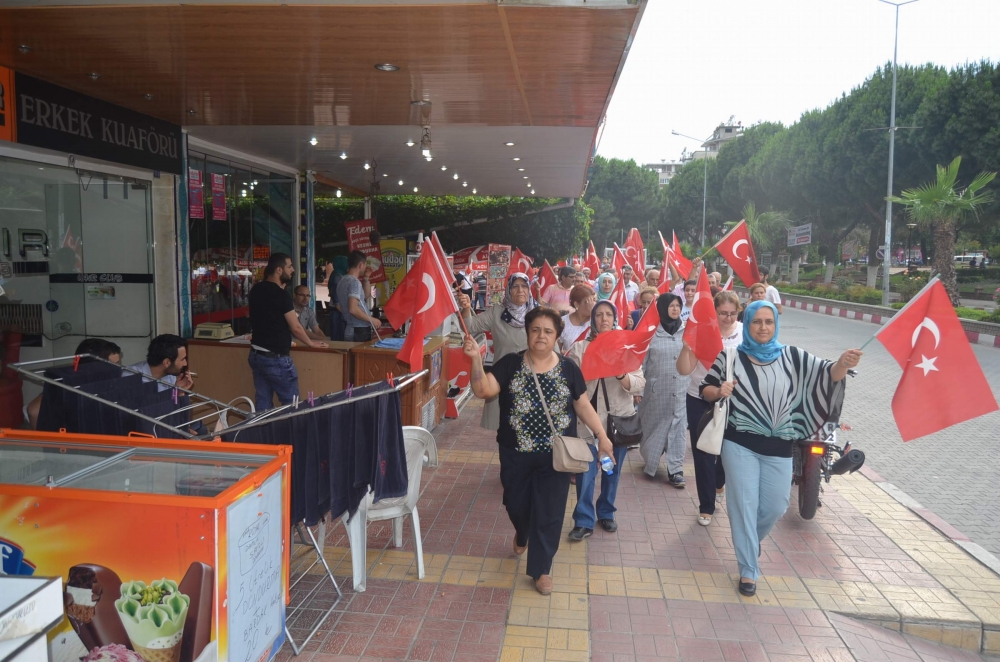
point(391, 379)
point(76, 363)
point(295, 402)
point(175, 396)
point(312, 399)
point(350, 389)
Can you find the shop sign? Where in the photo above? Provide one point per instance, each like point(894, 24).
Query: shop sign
point(57, 118)
point(800, 235)
point(359, 239)
point(7, 104)
point(100, 278)
point(218, 197)
point(394, 264)
point(196, 194)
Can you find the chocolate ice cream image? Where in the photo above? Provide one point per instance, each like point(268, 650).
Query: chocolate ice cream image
point(90, 595)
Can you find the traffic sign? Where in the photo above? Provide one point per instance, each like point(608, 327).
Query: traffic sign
point(880, 253)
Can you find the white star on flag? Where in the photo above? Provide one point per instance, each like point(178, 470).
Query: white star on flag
point(927, 365)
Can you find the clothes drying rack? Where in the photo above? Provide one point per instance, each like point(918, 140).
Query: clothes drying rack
point(35, 371)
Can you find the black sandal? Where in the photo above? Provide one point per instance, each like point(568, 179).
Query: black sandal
point(748, 589)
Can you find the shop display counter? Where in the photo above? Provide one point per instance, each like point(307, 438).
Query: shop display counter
point(423, 402)
point(222, 371)
point(177, 550)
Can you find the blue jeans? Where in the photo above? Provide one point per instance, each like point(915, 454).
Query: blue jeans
point(273, 375)
point(480, 300)
point(757, 493)
point(583, 514)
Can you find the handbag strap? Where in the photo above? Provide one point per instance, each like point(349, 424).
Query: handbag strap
point(541, 396)
point(607, 405)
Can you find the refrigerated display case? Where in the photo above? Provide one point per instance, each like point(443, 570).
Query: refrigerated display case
point(177, 550)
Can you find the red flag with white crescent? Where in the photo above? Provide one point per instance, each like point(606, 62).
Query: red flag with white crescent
point(635, 252)
point(613, 353)
point(619, 260)
point(430, 302)
point(942, 383)
point(673, 255)
point(701, 332)
point(519, 262)
point(619, 297)
point(546, 277)
point(593, 262)
point(737, 250)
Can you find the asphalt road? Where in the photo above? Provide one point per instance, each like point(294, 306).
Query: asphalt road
point(955, 472)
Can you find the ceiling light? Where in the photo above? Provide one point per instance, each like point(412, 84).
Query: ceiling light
point(455, 176)
point(255, 182)
point(313, 142)
point(425, 143)
point(420, 102)
point(443, 168)
point(465, 183)
point(244, 183)
point(516, 158)
point(147, 96)
point(93, 75)
point(243, 193)
point(429, 158)
point(520, 169)
point(343, 155)
point(401, 182)
point(410, 143)
point(367, 167)
point(473, 191)
point(339, 193)
point(529, 184)
point(414, 189)
point(525, 177)
point(509, 144)
point(532, 191)
point(385, 66)
point(385, 174)
point(24, 49)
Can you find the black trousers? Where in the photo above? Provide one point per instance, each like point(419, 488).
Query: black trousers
point(709, 475)
point(535, 497)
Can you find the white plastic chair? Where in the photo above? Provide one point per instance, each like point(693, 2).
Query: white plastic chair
point(430, 443)
point(395, 509)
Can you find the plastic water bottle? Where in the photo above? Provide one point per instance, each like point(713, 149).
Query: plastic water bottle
point(607, 465)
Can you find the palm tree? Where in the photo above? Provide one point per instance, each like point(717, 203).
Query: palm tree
point(767, 228)
point(940, 205)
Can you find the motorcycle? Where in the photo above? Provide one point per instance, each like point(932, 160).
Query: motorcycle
point(813, 459)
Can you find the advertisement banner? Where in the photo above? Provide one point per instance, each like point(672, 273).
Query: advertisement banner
point(218, 197)
point(7, 105)
point(394, 264)
point(196, 194)
point(496, 278)
point(800, 235)
point(359, 239)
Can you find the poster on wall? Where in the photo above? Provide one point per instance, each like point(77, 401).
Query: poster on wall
point(394, 264)
point(218, 197)
point(496, 277)
point(359, 235)
point(196, 194)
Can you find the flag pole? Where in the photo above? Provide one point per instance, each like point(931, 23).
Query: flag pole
point(916, 296)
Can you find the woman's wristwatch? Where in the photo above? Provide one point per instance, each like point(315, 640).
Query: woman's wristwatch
point(621, 377)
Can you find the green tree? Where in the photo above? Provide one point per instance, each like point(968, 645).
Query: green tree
point(940, 205)
point(623, 195)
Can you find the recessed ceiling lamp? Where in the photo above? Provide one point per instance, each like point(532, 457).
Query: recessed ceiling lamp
point(443, 168)
point(465, 183)
point(401, 182)
point(429, 158)
point(520, 169)
point(529, 184)
point(410, 143)
point(385, 174)
point(455, 176)
point(367, 167)
point(509, 144)
point(338, 193)
point(524, 177)
point(93, 75)
point(532, 191)
point(516, 158)
point(385, 66)
point(243, 193)
point(24, 49)
point(147, 96)
point(473, 191)
point(414, 189)
point(343, 155)
point(313, 142)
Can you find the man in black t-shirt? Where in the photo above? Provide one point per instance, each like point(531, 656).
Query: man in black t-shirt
point(274, 322)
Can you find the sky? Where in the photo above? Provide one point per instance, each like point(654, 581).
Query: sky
point(694, 64)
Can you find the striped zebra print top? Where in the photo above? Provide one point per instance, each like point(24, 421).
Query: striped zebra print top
point(777, 403)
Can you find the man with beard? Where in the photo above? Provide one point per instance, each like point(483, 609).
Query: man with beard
point(352, 293)
point(166, 361)
point(274, 322)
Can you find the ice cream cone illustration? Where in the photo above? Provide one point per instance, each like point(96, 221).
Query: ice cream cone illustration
point(153, 617)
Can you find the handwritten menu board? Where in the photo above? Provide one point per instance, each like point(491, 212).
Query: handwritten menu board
point(256, 599)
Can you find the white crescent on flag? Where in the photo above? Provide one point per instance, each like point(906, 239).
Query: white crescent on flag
point(428, 282)
point(736, 253)
point(697, 295)
point(931, 326)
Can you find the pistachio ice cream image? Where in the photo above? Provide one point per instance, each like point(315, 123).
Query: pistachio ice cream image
point(153, 616)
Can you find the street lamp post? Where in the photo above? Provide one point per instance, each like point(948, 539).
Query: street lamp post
point(704, 185)
point(909, 244)
point(887, 262)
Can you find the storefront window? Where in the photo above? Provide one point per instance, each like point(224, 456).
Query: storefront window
point(232, 241)
point(75, 258)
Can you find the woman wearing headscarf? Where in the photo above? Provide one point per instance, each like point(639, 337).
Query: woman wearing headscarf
point(662, 410)
point(778, 394)
point(506, 324)
point(605, 286)
point(621, 391)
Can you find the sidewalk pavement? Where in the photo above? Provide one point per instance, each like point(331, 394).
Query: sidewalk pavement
point(867, 579)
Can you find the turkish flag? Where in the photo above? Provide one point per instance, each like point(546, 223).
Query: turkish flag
point(616, 352)
point(635, 252)
point(701, 333)
point(942, 383)
point(728, 287)
point(593, 262)
point(737, 249)
point(673, 255)
point(519, 262)
point(619, 260)
point(576, 262)
point(428, 300)
point(546, 277)
point(620, 298)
